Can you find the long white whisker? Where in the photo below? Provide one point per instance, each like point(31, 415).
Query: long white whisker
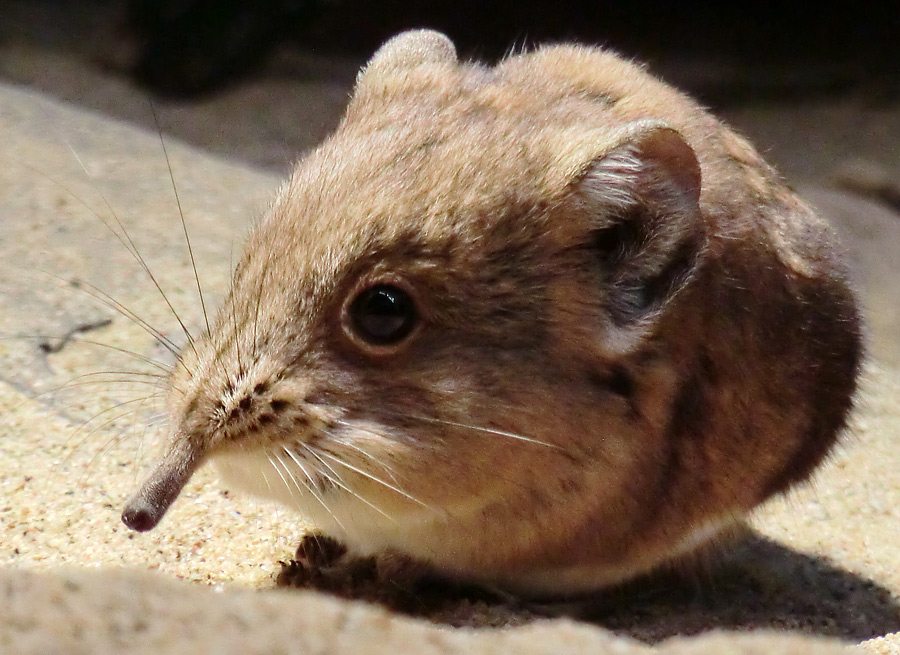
point(129, 245)
point(275, 466)
point(474, 428)
point(294, 456)
point(106, 299)
point(387, 469)
point(338, 481)
point(375, 478)
point(71, 384)
point(280, 475)
point(307, 483)
point(262, 471)
point(108, 410)
point(106, 447)
point(79, 382)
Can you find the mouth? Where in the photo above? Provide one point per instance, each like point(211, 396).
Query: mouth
point(151, 501)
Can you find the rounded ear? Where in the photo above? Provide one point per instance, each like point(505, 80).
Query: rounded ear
point(408, 50)
point(646, 228)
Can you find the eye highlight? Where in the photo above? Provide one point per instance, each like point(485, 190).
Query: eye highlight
point(382, 315)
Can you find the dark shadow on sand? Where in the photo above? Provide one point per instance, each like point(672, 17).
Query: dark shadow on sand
point(760, 585)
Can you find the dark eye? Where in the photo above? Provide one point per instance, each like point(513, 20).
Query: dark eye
point(383, 315)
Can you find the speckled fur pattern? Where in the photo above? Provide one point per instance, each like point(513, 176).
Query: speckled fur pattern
point(631, 331)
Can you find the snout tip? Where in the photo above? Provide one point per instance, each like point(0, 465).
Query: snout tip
point(139, 518)
point(151, 501)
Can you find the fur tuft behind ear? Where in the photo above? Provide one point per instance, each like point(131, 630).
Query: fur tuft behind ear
point(647, 228)
point(410, 49)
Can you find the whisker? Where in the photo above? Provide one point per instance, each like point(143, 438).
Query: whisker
point(71, 384)
point(127, 242)
point(113, 408)
point(157, 377)
point(101, 297)
point(375, 478)
point(110, 443)
point(281, 475)
point(187, 238)
point(474, 428)
point(78, 381)
point(368, 456)
point(237, 341)
point(107, 445)
point(125, 377)
point(338, 480)
point(155, 420)
point(306, 480)
point(307, 483)
point(138, 356)
point(262, 472)
point(114, 440)
point(262, 279)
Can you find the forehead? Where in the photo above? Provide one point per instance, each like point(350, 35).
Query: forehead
point(429, 156)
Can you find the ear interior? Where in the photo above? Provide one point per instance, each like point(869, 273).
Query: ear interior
point(643, 198)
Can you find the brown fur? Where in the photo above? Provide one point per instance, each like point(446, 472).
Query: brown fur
point(648, 331)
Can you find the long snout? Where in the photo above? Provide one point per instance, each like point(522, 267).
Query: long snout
point(149, 503)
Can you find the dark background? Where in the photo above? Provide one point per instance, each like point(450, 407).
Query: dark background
point(189, 46)
point(185, 48)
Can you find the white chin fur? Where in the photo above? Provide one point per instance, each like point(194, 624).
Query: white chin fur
point(364, 527)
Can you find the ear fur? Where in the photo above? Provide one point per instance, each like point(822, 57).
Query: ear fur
point(647, 230)
point(408, 50)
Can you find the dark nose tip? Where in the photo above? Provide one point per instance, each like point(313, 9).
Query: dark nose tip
point(150, 502)
point(140, 519)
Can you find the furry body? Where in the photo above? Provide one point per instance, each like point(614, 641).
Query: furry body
point(628, 331)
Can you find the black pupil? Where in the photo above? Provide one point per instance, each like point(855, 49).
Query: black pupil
point(383, 314)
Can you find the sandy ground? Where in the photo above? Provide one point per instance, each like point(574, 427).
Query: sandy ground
point(823, 563)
